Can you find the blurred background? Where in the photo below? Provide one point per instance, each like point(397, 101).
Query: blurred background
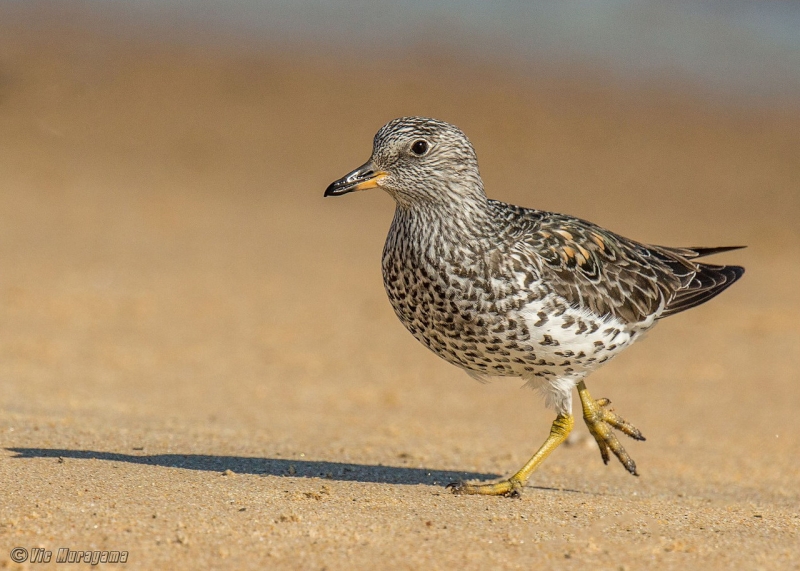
point(171, 277)
point(162, 228)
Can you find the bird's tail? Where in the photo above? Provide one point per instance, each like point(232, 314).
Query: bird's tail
point(701, 252)
point(704, 282)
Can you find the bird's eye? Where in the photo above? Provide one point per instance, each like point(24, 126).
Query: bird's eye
point(419, 147)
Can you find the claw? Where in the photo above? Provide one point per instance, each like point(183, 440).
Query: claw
point(603, 449)
point(456, 487)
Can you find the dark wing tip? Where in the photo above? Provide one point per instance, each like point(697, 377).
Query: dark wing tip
point(701, 252)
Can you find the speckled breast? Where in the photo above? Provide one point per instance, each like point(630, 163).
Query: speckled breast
point(459, 314)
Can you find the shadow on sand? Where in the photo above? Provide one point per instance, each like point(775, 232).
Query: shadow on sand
point(267, 466)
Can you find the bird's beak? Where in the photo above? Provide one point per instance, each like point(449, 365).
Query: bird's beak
point(364, 177)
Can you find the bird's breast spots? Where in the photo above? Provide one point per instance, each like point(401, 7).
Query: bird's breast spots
point(548, 340)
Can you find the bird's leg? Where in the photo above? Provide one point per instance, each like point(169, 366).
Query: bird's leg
point(601, 419)
point(512, 487)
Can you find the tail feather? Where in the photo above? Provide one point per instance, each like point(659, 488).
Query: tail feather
point(707, 282)
point(701, 252)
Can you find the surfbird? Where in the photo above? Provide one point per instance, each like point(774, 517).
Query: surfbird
point(504, 291)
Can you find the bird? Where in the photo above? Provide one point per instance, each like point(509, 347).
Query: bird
point(499, 290)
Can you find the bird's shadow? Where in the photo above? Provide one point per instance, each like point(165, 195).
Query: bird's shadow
point(367, 473)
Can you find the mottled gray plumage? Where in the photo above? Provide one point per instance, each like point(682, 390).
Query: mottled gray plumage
point(501, 290)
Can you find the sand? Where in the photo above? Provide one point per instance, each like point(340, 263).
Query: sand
point(198, 364)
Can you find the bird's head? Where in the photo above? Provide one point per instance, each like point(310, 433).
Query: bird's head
point(418, 161)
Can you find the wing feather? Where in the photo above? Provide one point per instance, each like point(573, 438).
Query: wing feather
point(596, 270)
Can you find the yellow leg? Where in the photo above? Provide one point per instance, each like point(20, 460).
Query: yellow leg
point(559, 431)
point(600, 419)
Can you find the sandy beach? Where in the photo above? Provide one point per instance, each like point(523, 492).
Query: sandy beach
point(199, 365)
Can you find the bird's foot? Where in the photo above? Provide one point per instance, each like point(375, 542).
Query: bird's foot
point(510, 488)
point(601, 420)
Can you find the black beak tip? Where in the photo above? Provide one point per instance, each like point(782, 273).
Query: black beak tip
point(330, 190)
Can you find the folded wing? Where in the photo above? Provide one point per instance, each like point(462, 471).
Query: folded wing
point(599, 271)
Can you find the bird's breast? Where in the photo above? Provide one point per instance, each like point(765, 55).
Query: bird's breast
point(455, 307)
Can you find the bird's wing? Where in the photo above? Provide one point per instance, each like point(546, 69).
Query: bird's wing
point(594, 269)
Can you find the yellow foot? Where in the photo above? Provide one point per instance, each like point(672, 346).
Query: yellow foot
point(512, 488)
point(601, 419)
point(508, 488)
